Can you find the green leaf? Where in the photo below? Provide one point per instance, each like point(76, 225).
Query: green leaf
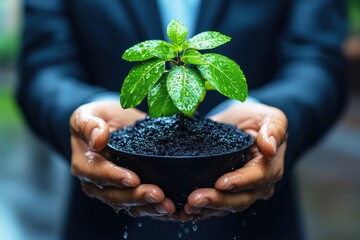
point(159, 101)
point(141, 51)
point(186, 89)
point(184, 45)
point(139, 82)
point(164, 51)
point(208, 86)
point(177, 32)
point(192, 56)
point(208, 40)
point(225, 75)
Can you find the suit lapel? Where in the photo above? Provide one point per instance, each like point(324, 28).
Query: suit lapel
point(145, 18)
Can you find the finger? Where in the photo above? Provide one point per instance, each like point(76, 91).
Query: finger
point(251, 175)
point(129, 197)
point(226, 201)
point(257, 173)
point(91, 129)
point(161, 209)
point(272, 134)
point(190, 210)
point(215, 199)
point(93, 167)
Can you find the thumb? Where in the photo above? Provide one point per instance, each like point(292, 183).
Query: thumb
point(270, 136)
point(93, 130)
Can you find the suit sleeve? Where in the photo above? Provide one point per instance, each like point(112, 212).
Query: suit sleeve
point(310, 85)
point(52, 83)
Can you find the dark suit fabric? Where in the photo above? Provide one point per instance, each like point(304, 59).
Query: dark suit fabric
point(290, 51)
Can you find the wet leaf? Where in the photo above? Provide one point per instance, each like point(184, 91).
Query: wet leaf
point(177, 32)
point(186, 89)
point(139, 82)
point(159, 101)
point(164, 51)
point(192, 56)
point(224, 75)
point(208, 40)
point(141, 51)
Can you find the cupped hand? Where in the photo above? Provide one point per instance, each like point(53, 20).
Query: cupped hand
point(117, 187)
point(237, 190)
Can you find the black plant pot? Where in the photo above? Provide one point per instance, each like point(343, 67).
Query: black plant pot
point(178, 176)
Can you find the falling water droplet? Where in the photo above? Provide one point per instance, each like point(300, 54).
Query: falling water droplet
point(139, 224)
point(194, 227)
point(125, 235)
point(186, 230)
point(180, 235)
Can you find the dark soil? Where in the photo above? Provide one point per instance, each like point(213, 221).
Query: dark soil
point(168, 136)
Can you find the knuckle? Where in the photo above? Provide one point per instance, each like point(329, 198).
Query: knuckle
point(82, 125)
point(87, 190)
point(269, 194)
point(244, 204)
point(75, 169)
point(279, 175)
point(110, 198)
point(261, 174)
point(247, 202)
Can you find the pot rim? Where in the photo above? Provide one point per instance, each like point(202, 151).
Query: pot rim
point(251, 142)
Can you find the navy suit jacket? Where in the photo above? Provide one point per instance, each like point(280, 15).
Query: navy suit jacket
point(290, 51)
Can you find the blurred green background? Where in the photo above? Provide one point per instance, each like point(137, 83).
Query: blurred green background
point(328, 176)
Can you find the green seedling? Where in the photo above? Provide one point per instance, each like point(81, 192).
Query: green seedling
point(181, 87)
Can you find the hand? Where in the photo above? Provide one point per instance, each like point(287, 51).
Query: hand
point(237, 190)
point(118, 187)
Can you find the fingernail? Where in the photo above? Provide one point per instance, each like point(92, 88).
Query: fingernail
point(150, 198)
point(229, 188)
point(127, 182)
point(202, 203)
point(93, 136)
point(273, 143)
point(160, 209)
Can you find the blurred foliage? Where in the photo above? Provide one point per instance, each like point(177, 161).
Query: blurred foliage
point(9, 45)
point(354, 16)
point(11, 117)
